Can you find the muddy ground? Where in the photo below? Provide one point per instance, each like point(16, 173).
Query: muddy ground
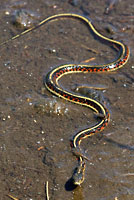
point(34, 144)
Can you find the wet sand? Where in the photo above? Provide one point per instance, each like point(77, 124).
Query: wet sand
point(34, 146)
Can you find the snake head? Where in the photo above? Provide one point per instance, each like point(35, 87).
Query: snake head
point(79, 174)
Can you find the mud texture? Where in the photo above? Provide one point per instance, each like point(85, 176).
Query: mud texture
point(34, 145)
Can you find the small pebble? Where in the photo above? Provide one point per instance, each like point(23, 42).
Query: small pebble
point(24, 19)
point(73, 2)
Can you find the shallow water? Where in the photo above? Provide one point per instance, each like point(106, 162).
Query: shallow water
point(25, 61)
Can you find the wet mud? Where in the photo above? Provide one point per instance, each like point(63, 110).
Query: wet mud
point(35, 126)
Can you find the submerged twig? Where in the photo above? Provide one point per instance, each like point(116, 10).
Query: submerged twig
point(88, 60)
point(89, 49)
point(12, 197)
point(47, 194)
point(111, 5)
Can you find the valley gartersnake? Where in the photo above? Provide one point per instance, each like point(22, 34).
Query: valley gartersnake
point(51, 83)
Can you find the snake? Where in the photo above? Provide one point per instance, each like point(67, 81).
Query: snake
point(51, 82)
